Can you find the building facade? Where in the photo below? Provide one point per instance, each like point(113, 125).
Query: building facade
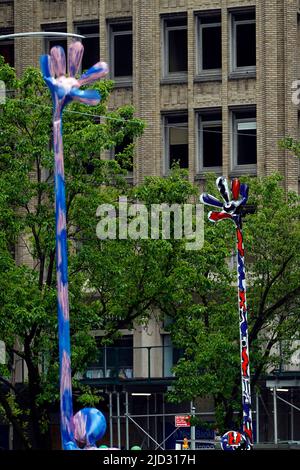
point(211, 78)
point(213, 81)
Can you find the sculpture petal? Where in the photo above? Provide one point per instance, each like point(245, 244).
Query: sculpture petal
point(76, 51)
point(45, 63)
point(96, 72)
point(235, 188)
point(217, 216)
point(210, 200)
point(244, 191)
point(223, 188)
point(58, 59)
point(89, 97)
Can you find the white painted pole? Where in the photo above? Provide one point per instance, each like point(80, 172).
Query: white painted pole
point(193, 429)
point(275, 415)
point(40, 34)
point(257, 418)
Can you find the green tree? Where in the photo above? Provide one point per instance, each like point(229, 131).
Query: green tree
point(207, 325)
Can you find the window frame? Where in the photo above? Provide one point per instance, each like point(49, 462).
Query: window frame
point(166, 138)
point(199, 43)
point(235, 167)
point(57, 27)
point(124, 79)
point(165, 56)
point(202, 122)
point(234, 22)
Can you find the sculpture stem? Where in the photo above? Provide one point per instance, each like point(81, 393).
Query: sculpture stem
point(244, 340)
point(66, 404)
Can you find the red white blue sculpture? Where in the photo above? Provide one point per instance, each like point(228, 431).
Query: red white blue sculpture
point(233, 440)
point(231, 208)
point(88, 425)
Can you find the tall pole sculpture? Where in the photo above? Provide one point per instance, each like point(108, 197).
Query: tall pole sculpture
point(88, 425)
point(231, 209)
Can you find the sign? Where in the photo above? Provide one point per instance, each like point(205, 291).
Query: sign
point(182, 421)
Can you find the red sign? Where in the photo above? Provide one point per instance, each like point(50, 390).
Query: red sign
point(182, 421)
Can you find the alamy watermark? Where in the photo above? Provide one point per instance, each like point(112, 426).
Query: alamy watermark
point(2, 92)
point(159, 221)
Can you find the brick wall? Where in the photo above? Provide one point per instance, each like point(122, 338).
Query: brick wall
point(277, 66)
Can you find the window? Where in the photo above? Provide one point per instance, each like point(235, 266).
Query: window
point(7, 47)
point(175, 47)
point(210, 140)
point(210, 43)
point(243, 41)
point(121, 51)
point(113, 361)
point(176, 141)
point(244, 138)
point(52, 41)
point(91, 45)
point(7, 50)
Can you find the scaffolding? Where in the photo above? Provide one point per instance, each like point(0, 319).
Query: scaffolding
point(151, 435)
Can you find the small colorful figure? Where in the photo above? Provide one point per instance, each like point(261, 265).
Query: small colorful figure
point(233, 440)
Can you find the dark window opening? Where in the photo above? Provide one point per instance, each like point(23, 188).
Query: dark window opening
point(212, 146)
point(211, 149)
point(177, 138)
point(7, 50)
point(176, 43)
point(245, 138)
point(122, 50)
point(211, 42)
point(91, 45)
point(245, 40)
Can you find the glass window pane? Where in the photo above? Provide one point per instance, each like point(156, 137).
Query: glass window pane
point(121, 27)
point(8, 52)
point(90, 29)
point(123, 55)
point(177, 44)
point(245, 45)
point(91, 52)
point(246, 141)
point(176, 22)
point(212, 146)
point(211, 48)
point(177, 128)
point(57, 42)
